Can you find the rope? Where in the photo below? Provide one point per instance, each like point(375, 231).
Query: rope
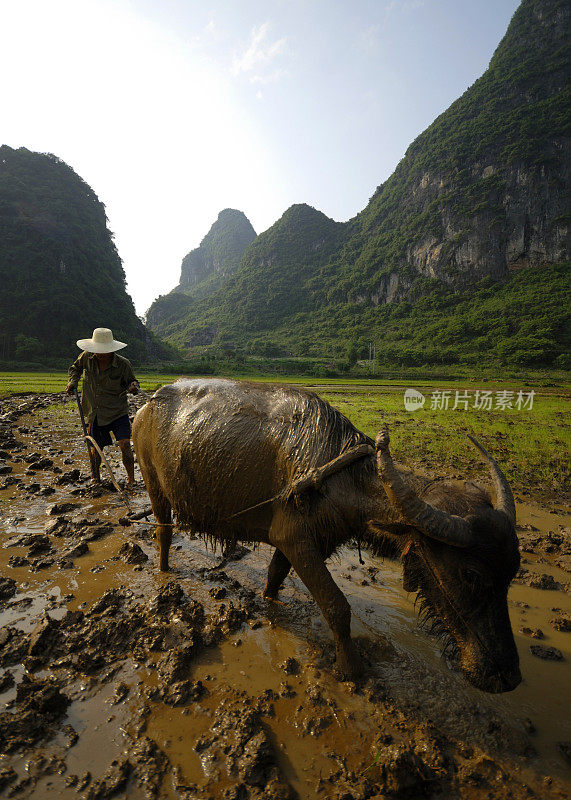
point(312, 480)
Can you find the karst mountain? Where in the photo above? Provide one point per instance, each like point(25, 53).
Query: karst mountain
point(463, 249)
point(60, 271)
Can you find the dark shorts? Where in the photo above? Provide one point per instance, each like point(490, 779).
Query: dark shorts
point(121, 428)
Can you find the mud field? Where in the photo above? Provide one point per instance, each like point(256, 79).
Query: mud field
point(119, 681)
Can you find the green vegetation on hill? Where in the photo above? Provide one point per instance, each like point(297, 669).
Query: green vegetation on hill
point(297, 245)
point(60, 272)
point(292, 252)
point(523, 322)
point(204, 270)
point(458, 175)
point(426, 270)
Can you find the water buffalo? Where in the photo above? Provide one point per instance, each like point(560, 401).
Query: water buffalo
point(213, 451)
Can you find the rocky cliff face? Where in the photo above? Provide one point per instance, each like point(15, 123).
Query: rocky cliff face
point(524, 225)
point(480, 194)
point(220, 251)
point(483, 190)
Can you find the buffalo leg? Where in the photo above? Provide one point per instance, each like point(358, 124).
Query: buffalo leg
point(162, 511)
point(308, 562)
point(277, 573)
point(164, 536)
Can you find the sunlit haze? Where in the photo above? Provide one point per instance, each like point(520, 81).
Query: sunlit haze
point(172, 110)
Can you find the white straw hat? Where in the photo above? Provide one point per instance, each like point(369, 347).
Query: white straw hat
point(102, 341)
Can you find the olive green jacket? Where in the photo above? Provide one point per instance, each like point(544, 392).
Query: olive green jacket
point(104, 393)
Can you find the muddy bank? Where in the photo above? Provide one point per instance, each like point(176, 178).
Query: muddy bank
point(119, 681)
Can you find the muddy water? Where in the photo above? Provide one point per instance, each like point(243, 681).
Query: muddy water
point(325, 736)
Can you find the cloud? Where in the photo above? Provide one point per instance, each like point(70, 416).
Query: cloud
point(369, 38)
point(259, 55)
point(271, 77)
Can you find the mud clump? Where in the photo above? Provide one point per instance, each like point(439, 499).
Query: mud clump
point(132, 553)
point(484, 772)
point(62, 508)
point(113, 782)
point(419, 766)
point(39, 704)
point(14, 645)
point(238, 745)
point(535, 633)
point(39, 545)
point(7, 588)
point(149, 764)
point(403, 772)
point(545, 582)
point(7, 776)
point(71, 476)
point(562, 624)
point(291, 666)
point(116, 626)
point(231, 617)
point(6, 682)
point(546, 653)
point(174, 667)
point(145, 765)
point(551, 543)
point(179, 693)
point(43, 636)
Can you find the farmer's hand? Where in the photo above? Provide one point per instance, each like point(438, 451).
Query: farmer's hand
point(133, 387)
point(70, 388)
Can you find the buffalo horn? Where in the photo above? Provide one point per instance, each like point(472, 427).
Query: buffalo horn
point(504, 497)
point(437, 524)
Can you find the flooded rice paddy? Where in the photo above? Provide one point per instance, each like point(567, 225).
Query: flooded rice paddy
point(121, 681)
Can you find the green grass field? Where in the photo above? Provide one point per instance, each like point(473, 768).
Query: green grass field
point(531, 444)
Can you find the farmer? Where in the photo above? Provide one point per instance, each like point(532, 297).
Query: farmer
point(107, 377)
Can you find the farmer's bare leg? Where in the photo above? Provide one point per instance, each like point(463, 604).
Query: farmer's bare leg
point(128, 459)
point(277, 572)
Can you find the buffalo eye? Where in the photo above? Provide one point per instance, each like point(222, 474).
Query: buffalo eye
point(471, 578)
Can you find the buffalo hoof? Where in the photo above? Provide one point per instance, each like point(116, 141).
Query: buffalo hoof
point(348, 666)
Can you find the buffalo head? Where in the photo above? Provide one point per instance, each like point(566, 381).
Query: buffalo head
point(460, 555)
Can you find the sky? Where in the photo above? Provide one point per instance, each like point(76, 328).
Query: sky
point(172, 110)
